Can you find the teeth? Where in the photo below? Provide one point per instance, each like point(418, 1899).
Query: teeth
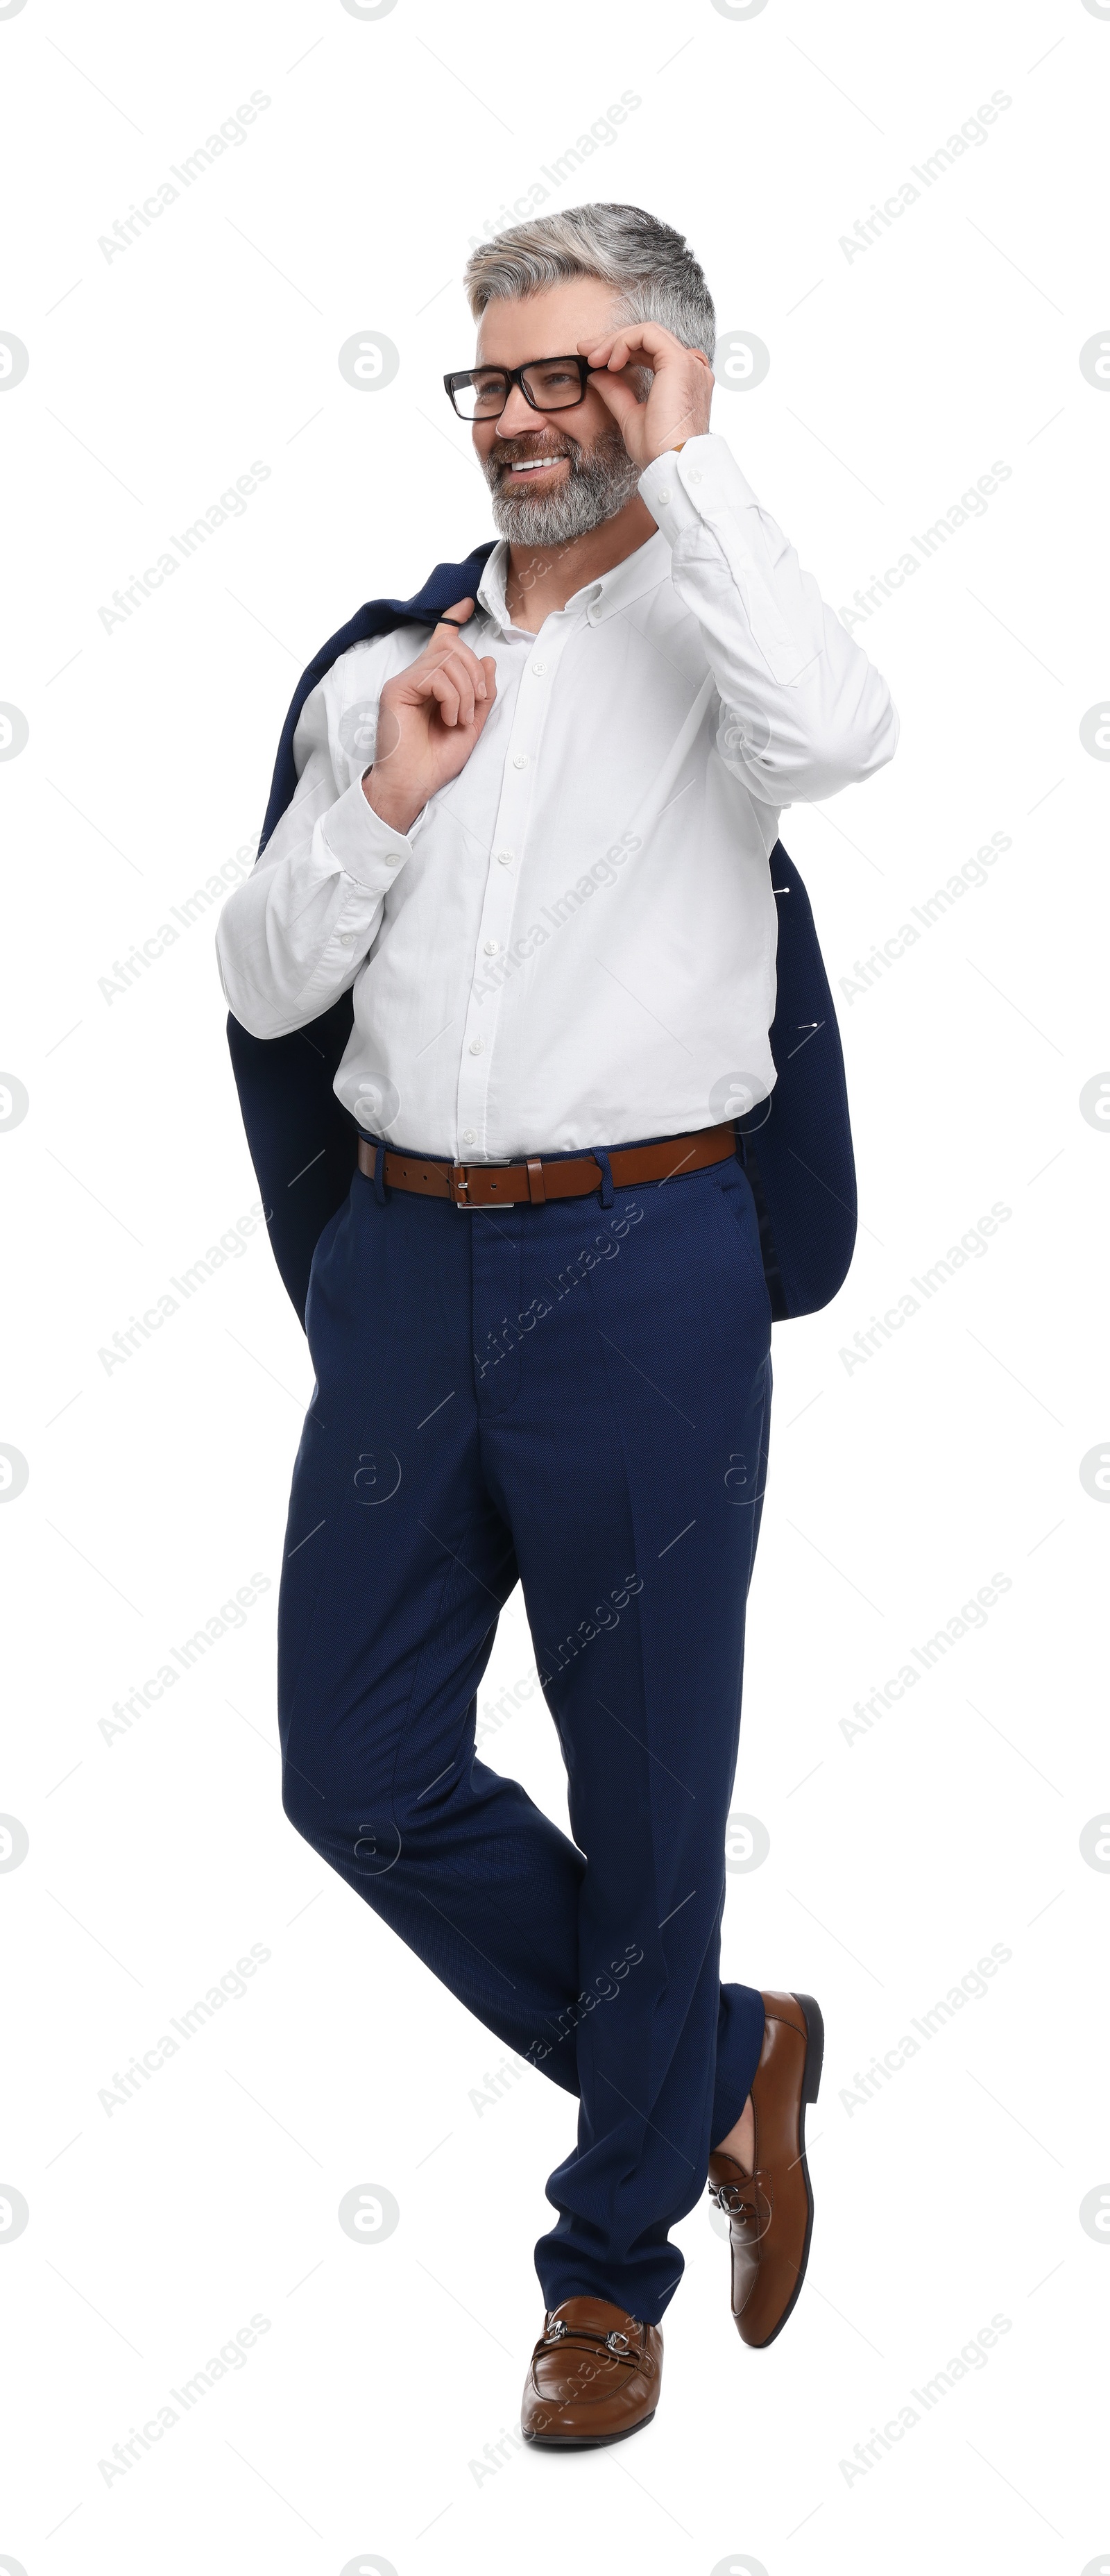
point(534, 465)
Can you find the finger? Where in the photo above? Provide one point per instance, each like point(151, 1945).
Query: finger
point(459, 615)
point(618, 395)
point(463, 685)
point(611, 354)
point(464, 660)
point(445, 643)
point(648, 337)
point(467, 673)
point(484, 709)
point(614, 353)
point(415, 685)
point(442, 688)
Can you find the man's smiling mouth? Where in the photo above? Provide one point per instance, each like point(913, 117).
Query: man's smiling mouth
point(533, 464)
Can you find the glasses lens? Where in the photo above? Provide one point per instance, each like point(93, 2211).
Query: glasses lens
point(483, 395)
point(554, 384)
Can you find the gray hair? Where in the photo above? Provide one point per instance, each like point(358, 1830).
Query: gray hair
point(658, 277)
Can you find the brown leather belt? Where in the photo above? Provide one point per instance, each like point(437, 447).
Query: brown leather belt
point(481, 1185)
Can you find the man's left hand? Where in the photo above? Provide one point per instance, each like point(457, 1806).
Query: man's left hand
point(677, 406)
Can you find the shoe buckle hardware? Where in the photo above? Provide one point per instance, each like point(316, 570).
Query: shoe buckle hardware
point(556, 2330)
point(730, 2198)
point(616, 2341)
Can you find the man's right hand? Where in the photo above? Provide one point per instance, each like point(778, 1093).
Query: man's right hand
point(429, 719)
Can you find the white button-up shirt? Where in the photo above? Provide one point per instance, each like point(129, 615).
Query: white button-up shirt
point(574, 943)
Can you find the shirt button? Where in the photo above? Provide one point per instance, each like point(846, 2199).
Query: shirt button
point(540, 669)
point(476, 1045)
point(506, 858)
point(346, 938)
point(663, 495)
point(693, 476)
point(493, 947)
point(470, 1135)
point(520, 760)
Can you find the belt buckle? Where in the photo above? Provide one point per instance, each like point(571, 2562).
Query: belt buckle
point(458, 1182)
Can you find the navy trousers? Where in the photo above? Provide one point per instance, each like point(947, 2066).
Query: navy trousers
point(576, 1396)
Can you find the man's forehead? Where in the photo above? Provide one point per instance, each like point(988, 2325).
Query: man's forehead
point(576, 305)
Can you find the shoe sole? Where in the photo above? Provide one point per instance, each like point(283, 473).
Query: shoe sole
point(586, 2441)
point(811, 2086)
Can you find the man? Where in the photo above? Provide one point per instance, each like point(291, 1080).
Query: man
point(535, 846)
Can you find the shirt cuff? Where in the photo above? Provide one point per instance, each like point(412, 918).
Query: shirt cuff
point(699, 481)
point(366, 849)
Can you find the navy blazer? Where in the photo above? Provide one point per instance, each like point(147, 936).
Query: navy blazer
point(796, 1148)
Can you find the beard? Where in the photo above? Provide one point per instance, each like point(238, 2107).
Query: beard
point(600, 480)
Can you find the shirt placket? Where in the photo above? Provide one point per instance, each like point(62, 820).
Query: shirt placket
point(485, 1009)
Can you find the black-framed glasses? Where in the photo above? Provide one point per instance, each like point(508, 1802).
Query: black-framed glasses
point(549, 384)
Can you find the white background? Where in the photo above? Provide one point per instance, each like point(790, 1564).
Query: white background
point(897, 1858)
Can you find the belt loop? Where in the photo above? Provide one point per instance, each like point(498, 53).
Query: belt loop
point(536, 1190)
point(600, 1156)
point(379, 1175)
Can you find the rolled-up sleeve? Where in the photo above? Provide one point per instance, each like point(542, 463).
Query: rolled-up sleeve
point(803, 711)
point(296, 933)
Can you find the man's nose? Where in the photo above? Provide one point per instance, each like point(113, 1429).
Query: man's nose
point(519, 416)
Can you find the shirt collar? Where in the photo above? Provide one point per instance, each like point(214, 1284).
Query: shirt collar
point(613, 592)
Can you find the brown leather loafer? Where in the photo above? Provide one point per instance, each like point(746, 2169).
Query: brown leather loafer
point(594, 2377)
point(770, 2211)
